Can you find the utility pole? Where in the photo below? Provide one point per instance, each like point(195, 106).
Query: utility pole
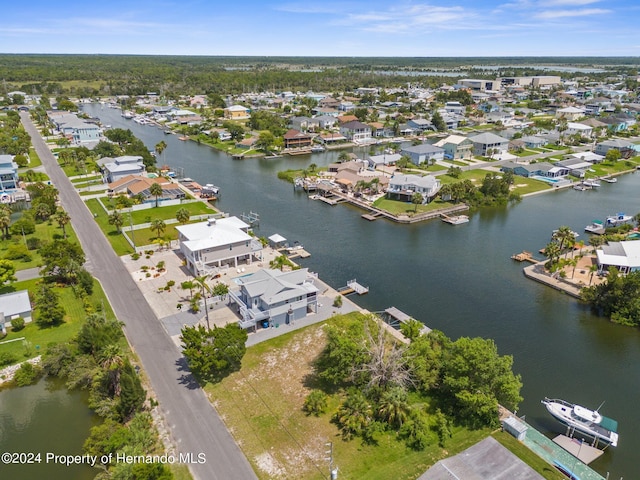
point(333, 472)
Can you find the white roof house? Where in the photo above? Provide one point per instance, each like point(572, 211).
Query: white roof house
point(217, 242)
point(14, 305)
point(625, 256)
point(117, 168)
point(404, 186)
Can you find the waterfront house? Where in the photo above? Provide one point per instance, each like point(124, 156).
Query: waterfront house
point(217, 243)
point(402, 187)
point(456, 147)
point(423, 153)
point(273, 297)
point(383, 160)
point(325, 121)
point(577, 166)
point(116, 168)
point(237, 112)
point(486, 144)
point(625, 256)
point(587, 157)
point(136, 185)
point(12, 306)
point(625, 147)
point(296, 139)
point(420, 125)
point(356, 131)
point(331, 138)
point(539, 169)
point(78, 131)
point(8, 173)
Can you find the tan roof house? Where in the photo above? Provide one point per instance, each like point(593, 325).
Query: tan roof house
point(237, 112)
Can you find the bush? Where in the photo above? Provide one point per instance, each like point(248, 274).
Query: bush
point(6, 358)
point(33, 243)
point(337, 302)
point(18, 251)
point(135, 256)
point(27, 374)
point(17, 324)
point(315, 403)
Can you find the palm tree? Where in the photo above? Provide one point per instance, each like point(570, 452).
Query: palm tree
point(112, 360)
point(417, 199)
point(158, 226)
point(188, 285)
point(63, 219)
point(201, 281)
point(563, 235)
point(116, 219)
point(183, 216)
point(552, 251)
point(161, 147)
point(393, 407)
point(5, 220)
point(313, 167)
point(156, 190)
point(354, 414)
point(592, 270)
point(43, 211)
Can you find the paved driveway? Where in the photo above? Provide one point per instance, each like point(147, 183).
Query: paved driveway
point(194, 424)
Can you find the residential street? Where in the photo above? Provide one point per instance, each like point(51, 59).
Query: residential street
point(194, 424)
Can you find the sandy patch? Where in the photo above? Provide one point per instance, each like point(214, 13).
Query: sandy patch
point(141, 275)
point(269, 465)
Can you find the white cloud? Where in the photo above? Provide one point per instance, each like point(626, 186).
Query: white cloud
point(585, 12)
point(564, 3)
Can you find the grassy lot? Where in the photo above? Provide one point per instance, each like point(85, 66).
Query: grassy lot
point(476, 176)
point(169, 212)
point(606, 168)
point(117, 241)
point(523, 186)
point(262, 406)
point(34, 159)
point(527, 456)
point(38, 338)
point(88, 178)
point(397, 207)
point(45, 232)
point(525, 153)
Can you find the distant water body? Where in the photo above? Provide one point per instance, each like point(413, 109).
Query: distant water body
point(458, 279)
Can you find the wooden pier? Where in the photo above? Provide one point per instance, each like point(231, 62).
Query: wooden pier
point(394, 318)
point(524, 256)
point(353, 287)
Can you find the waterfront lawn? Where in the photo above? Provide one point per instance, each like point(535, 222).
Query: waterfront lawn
point(145, 237)
point(169, 212)
point(524, 186)
point(397, 207)
point(608, 168)
point(262, 406)
point(45, 232)
point(476, 176)
point(38, 338)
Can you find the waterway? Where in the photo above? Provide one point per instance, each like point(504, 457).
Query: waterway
point(45, 418)
point(458, 279)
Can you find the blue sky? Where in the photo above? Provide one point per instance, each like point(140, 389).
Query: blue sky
point(324, 28)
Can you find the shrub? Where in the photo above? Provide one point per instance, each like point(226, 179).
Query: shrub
point(18, 251)
point(135, 256)
point(27, 374)
point(6, 358)
point(17, 324)
point(33, 243)
point(315, 403)
point(337, 302)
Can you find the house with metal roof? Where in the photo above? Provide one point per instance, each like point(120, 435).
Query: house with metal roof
point(12, 306)
point(272, 297)
point(625, 147)
point(625, 256)
point(456, 147)
point(402, 187)
point(116, 168)
point(216, 243)
point(487, 143)
point(356, 131)
point(423, 153)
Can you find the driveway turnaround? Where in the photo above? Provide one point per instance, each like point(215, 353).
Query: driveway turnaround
point(194, 424)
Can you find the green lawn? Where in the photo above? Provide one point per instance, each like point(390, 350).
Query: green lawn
point(476, 176)
point(34, 159)
point(38, 338)
point(117, 241)
point(262, 405)
point(403, 208)
point(169, 212)
point(524, 185)
point(45, 232)
point(607, 168)
point(88, 179)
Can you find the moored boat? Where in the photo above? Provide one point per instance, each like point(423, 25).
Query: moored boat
point(588, 422)
point(455, 220)
point(618, 219)
point(596, 227)
point(591, 182)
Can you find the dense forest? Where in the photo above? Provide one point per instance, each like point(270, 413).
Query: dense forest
point(93, 75)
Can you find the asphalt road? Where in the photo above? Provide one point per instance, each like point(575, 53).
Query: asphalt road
point(194, 424)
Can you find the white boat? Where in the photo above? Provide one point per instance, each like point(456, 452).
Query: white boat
point(610, 179)
point(618, 219)
point(317, 149)
point(596, 227)
point(456, 219)
point(586, 421)
point(591, 182)
point(128, 115)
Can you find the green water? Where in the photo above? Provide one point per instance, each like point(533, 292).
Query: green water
point(40, 419)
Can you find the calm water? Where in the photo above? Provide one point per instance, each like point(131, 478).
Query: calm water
point(458, 279)
point(45, 418)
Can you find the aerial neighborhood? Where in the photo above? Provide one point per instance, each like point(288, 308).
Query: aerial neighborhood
point(97, 185)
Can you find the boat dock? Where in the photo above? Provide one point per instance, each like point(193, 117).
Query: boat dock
point(298, 253)
point(353, 287)
point(524, 256)
point(581, 450)
point(394, 318)
point(455, 219)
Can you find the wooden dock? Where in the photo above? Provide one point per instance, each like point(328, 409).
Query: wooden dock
point(353, 287)
point(581, 450)
point(524, 256)
point(299, 253)
point(394, 318)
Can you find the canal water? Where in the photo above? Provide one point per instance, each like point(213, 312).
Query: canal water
point(42, 418)
point(458, 279)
